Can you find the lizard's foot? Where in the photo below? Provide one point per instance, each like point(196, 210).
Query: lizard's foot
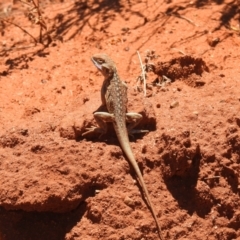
point(131, 132)
point(93, 129)
point(133, 119)
point(101, 118)
point(136, 131)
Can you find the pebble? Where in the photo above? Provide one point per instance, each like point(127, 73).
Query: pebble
point(195, 113)
point(129, 201)
point(174, 104)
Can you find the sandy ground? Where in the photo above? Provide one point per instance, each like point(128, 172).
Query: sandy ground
point(55, 184)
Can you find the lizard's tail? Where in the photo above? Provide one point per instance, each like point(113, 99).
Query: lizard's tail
point(125, 144)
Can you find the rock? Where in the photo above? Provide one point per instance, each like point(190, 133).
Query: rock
point(174, 104)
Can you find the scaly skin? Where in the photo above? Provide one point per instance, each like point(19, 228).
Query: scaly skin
point(114, 97)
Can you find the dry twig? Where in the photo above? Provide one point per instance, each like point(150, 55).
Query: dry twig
point(35, 16)
point(10, 22)
point(143, 76)
point(213, 177)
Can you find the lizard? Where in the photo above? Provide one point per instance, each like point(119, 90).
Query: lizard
point(114, 98)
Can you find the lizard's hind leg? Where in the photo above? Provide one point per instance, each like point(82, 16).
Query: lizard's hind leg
point(133, 119)
point(101, 118)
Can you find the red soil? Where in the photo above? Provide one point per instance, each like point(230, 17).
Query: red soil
point(57, 185)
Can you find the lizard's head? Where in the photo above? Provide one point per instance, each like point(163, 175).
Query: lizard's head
point(104, 64)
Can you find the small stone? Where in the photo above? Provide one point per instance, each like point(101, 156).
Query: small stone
point(195, 113)
point(95, 214)
point(213, 41)
point(129, 202)
point(174, 104)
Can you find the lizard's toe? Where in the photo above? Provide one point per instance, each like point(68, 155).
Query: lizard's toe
point(93, 130)
point(136, 131)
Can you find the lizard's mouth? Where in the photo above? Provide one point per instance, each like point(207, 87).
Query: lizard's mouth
point(97, 64)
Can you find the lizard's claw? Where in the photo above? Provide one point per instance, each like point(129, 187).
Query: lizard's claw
point(94, 129)
point(135, 131)
point(131, 132)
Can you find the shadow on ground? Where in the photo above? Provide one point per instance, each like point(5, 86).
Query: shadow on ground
point(21, 225)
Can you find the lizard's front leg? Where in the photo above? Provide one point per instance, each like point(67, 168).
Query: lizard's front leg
point(134, 119)
point(101, 118)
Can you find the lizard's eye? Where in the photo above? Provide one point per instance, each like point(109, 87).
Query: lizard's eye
point(100, 61)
